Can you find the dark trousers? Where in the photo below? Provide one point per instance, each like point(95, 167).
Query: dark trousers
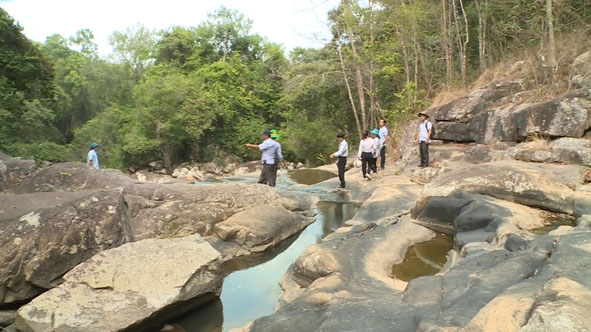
point(341, 163)
point(383, 157)
point(268, 174)
point(374, 166)
point(424, 153)
point(366, 160)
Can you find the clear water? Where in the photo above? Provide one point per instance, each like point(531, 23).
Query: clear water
point(251, 289)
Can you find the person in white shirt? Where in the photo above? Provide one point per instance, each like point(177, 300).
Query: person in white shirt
point(424, 139)
point(341, 154)
point(377, 148)
point(384, 134)
point(365, 154)
point(269, 152)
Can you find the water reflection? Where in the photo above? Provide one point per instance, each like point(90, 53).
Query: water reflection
point(424, 258)
point(251, 288)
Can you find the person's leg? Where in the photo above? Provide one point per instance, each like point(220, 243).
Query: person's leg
point(422, 146)
point(374, 165)
point(342, 162)
point(271, 174)
point(363, 165)
point(426, 155)
point(383, 157)
point(263, 178)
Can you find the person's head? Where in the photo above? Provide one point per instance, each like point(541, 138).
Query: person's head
point(94, 146)
point(423, 116)
point(365, 134)
point(382, 122)
point(375, 132)
point(266, 133)
point(274, 134)
point(340, 136)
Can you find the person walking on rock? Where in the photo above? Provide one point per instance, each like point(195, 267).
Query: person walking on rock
point(341, 154)
point(424, 139)
point(92, 158)
point(365, 154)
point(384, 134)
point(268, 150)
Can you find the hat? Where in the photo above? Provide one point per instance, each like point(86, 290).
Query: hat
point(266, 132)
point(423, 114)
point(340, 135)
point(93, 145)
point(274, 134)
point(375, 131)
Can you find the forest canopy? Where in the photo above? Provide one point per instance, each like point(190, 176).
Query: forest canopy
point(199, 93)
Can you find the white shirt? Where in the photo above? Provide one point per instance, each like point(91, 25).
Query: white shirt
point(383, 134)
point(343, 149)
point(366, 145)
point(424, 128)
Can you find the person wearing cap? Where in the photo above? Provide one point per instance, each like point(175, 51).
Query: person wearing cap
point(92, 158)
point(384, 134)
point(268, 152)
point(377, 148)
point(424, 139)
point(342, 155)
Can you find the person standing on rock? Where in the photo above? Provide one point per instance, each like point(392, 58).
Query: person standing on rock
point(383, 138)
point(92, 158)
point(341, 154)
point(424, 139)
point(268, 152)
point(365, 154)
point(377, 148)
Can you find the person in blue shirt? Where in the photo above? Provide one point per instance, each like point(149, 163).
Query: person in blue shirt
point(268, 153)
point(92, 158)
point(342, 154)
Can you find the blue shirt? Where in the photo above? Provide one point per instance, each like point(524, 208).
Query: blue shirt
point(343, 149)
point(269, 150)
point(93, 156)
point(383, 134)
point(424, 128)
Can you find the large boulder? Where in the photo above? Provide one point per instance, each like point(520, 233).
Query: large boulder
point(546, 186)
point(38, 246)
point(259, 228)
point(479, 121)
point(129, 288)
point(478, 218)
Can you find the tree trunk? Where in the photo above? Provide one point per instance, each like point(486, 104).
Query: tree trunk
point(551, 41)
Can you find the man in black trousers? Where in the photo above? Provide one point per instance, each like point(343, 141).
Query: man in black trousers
point(341, 154)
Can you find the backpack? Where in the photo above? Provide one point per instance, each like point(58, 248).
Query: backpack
point(433, 132)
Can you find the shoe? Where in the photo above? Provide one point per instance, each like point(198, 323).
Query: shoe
point(341, 187)
point(368, 176)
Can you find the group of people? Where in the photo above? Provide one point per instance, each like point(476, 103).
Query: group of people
point(370, 148)
point(372, 145)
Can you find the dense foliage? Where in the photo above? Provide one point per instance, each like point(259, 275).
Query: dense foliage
point(199, 93)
